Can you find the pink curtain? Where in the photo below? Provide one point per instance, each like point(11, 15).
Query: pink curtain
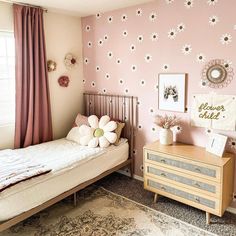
point(33, 112)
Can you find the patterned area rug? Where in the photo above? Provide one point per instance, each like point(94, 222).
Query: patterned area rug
point(102, 213)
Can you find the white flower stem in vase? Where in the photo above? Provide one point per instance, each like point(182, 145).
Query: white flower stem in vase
point(166, 136)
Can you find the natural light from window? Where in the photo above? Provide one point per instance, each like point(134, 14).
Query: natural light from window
point(7, 79)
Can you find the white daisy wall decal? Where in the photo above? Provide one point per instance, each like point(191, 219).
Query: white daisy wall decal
point(226, 39)
point(118, 61)
point(110, 55)
point(203, 83)
point(151, 110)
point(135, 151)
point(98, 15)
point(110, 19)
point(121, 81)
point(107, 76)
point(213, 20)
point(200, 57)
point(227, 64)
point(139, 12)
point(126, 90)
point(142, 82)
point(154, 37)
point(87, 28)
point(208, 131)
point(188, 3)
point(133, 68)
point(86, 61)
point(172, 34)
point(186, 49)
point(140, 38)
point(93, 84)
point(105, 37)
point(152, 16)
point(232, 143)
point(89, 44)
point(132, 48)
point(212, 2)
point(166, 67)
point(141, 168)
point(104, 90)
point(97, 68)
point(124, 17)
point(148, 58)
point(125, 33)
point(100, 42)
point(169, 1)
point(153, 129)
point(140, 126)
point(177, 129)
point(181, 27)
point(84, 81)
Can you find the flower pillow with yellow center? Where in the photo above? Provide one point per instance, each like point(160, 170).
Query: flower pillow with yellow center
point(99, 132)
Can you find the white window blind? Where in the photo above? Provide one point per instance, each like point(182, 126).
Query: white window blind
point(7, 78)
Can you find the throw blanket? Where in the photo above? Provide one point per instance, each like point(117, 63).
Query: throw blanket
point(15, 168)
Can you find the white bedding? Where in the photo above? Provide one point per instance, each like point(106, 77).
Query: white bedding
point(71, 165)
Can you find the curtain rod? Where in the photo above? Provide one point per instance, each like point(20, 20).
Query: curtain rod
point(24, 4)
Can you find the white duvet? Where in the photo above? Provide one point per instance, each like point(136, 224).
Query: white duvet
point(60, 154)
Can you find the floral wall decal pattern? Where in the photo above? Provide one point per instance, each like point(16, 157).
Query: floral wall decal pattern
point(137, 44)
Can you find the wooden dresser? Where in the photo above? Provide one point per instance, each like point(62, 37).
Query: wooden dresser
point(190, 175)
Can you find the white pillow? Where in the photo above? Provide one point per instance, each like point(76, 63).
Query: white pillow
point(74, 135)
point(99, 132)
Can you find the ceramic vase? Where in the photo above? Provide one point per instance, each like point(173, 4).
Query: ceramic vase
point(166, 136)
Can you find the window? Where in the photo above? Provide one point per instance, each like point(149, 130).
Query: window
point(7, 78)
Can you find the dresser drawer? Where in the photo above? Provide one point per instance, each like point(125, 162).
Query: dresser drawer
point(195, 168)
point(187, 181)
point(184, 195)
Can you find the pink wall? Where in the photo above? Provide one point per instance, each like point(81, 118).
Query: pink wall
point(198, 32)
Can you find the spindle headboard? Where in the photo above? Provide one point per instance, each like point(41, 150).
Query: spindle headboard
point(118, 107)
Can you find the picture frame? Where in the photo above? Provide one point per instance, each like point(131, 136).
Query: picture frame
point(171, 95)
point(216, 144)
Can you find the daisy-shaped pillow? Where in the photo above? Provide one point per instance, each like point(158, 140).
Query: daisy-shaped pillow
point(99, 132)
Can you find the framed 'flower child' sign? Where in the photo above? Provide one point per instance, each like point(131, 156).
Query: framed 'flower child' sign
point(214, 111)
point(172, 92)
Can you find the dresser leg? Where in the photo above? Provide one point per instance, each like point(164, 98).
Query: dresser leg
point(155, 198)
point(208, 218)
point(75, 199)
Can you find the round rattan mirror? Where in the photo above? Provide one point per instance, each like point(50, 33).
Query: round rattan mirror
point(217, 74)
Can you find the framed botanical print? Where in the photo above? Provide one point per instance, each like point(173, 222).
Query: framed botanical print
point(172, 92)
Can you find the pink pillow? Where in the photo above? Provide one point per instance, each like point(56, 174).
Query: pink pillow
point(81, 120)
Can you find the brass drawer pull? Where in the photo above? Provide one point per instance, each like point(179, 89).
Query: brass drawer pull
point(197, 199)
point(163, 174)
point(197, 184)
point(163, 188)
point(197, 169)
point(163, 160)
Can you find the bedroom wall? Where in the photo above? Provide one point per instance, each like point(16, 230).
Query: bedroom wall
point(119, 30)
point(63, 35)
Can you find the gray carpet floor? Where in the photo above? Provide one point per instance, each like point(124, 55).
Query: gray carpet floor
point(133, 189)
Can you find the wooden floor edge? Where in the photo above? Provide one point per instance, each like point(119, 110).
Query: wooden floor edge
point(7, 224)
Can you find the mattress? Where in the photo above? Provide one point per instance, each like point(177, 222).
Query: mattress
point(33, 192)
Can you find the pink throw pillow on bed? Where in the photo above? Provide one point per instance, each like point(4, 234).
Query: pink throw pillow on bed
point(81, 120)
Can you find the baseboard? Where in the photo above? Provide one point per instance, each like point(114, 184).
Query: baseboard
point(123, 172)
point(231, 210)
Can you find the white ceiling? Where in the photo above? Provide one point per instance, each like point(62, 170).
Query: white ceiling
point(83, 7)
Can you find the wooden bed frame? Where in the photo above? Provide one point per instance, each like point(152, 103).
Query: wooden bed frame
point(118, 107)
